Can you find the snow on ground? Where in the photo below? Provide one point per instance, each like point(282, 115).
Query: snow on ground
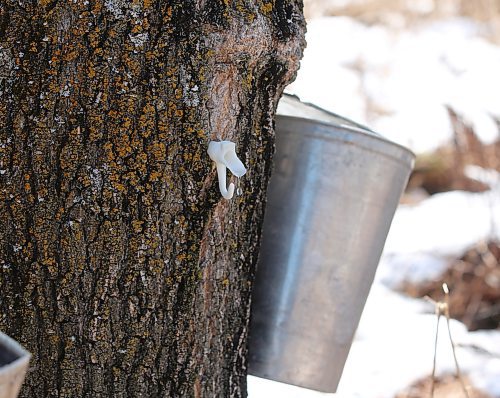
point(394, 347)
point(398, 84)
point(394, 343)
point(424, 237)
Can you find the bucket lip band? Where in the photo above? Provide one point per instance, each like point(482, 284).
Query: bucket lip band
point(361, 132)
point(293, 100)
point(22, 355)
point(291, 106)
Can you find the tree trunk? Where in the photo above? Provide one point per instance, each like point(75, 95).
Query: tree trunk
point(122, 269)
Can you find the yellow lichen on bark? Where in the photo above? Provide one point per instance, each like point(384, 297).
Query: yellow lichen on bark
point(122, 247)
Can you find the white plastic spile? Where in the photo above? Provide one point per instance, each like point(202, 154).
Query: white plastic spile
point(223, 153)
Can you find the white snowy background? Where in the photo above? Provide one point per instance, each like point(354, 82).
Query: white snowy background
point(398, 79)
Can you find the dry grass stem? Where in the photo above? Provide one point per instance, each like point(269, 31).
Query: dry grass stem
point(442, 308)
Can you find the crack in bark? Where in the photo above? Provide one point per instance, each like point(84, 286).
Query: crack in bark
point(121, 268)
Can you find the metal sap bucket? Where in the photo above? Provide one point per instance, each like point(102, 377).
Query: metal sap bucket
point(331, 200)
point(14, 361)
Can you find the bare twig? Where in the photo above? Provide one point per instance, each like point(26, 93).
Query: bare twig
point(433, 379)
point(442, 308)
point(447, 314)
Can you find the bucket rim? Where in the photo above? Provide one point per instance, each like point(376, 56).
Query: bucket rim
point(361, 130)
point(348, 121)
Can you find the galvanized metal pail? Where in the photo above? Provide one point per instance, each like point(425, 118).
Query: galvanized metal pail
point(331, 200)
point(14, 361)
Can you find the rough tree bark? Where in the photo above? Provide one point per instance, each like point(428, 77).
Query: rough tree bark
point(122, 269)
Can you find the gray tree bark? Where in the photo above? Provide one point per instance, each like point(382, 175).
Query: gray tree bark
point(122, 269)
